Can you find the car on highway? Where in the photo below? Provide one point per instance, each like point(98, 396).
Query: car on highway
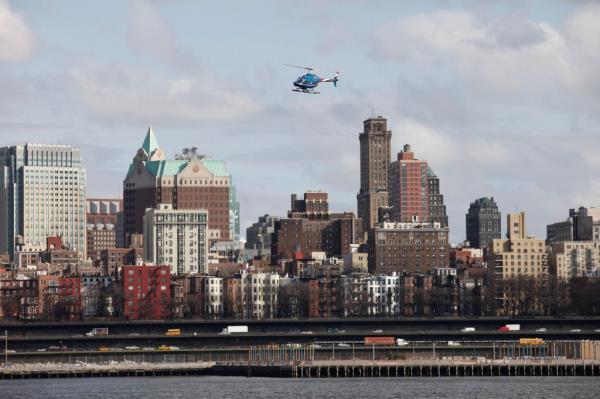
point(306, 332)
point(294, 331)
point(133, 334)
point(164, 348)
point(53, 348)
point(378, 331)
point(543, 329)
point(148, 349)
point(454, 343)
point(10, 351)
point(401, 342)
point(344, 345)
point(316, 346)
point(132, 348)
point(174, 348)
point(575, 330)
point(103, 349)
point(42, 350)
point(467, 329)
point(597, 330)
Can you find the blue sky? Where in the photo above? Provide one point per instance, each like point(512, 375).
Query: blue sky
point(502, 98)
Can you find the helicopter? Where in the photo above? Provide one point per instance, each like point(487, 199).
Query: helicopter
point(309, 81)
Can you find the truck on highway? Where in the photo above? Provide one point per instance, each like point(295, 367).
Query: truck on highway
point(380, 341)
point(510, 327)
point(97, 331)
point(235, 330)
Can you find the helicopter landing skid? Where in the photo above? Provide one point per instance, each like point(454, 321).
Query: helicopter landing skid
point(306, 91)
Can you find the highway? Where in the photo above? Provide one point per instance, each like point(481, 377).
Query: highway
point(212, 340)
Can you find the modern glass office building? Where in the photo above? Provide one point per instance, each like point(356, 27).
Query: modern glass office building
point(42, 194)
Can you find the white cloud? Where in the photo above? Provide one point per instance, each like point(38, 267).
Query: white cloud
point(151, 36)
point(130, 97)
point(16, 39)
point(510, 55)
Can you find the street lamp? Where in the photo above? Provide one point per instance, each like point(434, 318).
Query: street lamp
point(5, 348)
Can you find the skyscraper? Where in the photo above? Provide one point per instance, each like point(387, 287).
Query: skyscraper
point(42, 194)
point(375, 150)
point(483, 222)
point(190, 181)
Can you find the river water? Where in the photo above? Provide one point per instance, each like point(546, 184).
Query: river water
point(250, 388)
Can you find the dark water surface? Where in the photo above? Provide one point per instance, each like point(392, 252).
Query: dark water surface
point(250, 388)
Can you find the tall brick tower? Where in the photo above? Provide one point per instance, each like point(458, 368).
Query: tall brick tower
point(375, 153)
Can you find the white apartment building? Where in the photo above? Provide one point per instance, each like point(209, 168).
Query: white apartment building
point(575, 259)
point(177, 237)
point(260, 295)
point(370, 295)
point(213, 297)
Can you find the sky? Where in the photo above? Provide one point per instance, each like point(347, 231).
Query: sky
point(502, 98)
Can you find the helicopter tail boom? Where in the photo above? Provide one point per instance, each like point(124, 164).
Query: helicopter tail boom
point(334, 80)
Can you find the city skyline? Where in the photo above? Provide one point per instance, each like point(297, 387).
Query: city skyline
point(477, 105)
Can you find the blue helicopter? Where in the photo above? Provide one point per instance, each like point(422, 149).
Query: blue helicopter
point(309, 81)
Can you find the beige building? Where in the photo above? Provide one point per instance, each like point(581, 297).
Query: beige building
point(575, 259)
point(356, 262)
point(519, 254)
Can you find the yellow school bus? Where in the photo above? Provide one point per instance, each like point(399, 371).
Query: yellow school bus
point(531, 341)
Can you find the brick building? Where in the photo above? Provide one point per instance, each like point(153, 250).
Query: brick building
point(102, 220)
point(114, 258)
point(408, 247)
point(18, 298)
point(188, 182)
point(310, 227)
point(322, 297)
point(146, 292)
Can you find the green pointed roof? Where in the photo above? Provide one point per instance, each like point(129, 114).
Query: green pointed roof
point(150, 143)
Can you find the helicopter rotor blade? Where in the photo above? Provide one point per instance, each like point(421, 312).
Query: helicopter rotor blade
point(301, 67)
